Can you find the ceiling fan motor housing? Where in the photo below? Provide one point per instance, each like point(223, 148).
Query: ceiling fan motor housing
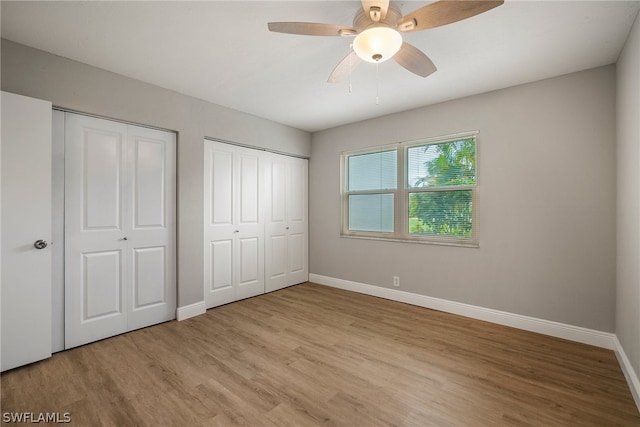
point(362, 20)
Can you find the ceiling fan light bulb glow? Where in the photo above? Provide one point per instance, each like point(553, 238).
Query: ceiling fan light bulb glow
point(377, 44)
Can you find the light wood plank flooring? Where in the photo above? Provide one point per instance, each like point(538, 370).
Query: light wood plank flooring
point(311, 355)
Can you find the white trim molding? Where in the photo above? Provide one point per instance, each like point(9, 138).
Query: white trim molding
point(546, 327)
point(191, 310)
point(628, 371)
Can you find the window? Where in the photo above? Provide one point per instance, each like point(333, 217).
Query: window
point(422, 191)
point(371, 183)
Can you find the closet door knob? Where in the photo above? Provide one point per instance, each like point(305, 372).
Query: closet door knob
point(236, 231)
point(40, 244)
point(125, 238)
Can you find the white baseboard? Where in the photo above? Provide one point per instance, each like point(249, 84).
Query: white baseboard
point(628, 371)
point(191, 310)
point(546, 327)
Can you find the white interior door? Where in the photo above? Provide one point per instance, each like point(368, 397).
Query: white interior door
point(298, 223)
point(151, 216)
point(277, 233)
point(26, 218)
point(219, 228)
point(286, 223)
point(234, 226)
point(119, 228)
point(95, 229)
point(249, 223)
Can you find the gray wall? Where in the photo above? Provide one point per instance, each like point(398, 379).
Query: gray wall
point(628, 213)
point(547, 200)
point(73, 85)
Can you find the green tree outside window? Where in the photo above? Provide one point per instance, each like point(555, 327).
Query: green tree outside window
point(443, 210)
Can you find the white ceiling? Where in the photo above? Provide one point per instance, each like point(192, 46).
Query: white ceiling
point(222, 52)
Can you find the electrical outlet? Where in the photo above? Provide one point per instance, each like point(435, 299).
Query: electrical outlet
point(396, 281)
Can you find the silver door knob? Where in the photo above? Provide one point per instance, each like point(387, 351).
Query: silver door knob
point(40, 244)
point(236, 231)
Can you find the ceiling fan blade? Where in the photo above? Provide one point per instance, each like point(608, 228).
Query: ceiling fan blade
point(414, 60)
point(382, 4)
point(344, 68)
point(310, 29)
point(444, 12)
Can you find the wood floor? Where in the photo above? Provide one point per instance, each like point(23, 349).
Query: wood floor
point(311, 355)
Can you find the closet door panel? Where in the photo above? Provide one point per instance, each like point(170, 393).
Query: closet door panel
point(276, 232)
point(297, 253)
point(149, 179)
point(102, 180)
point(234, 224)
point(221, 265)
point(278, 255)
point(151, 232)
point(286, 224)
point(220, 192)
point(279, 176)
point(120, 228)
point(297, 214)
point(249, 255)
point(101, 285)
point(249, 199)
point(249, 265)
point(220, 273)
point(95, 303)
point(219, 228)
point(297, 200)
point(148, 269)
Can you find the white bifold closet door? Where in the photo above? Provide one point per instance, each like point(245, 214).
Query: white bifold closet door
point(120, 233)
point(286, 254)
point(234, 224)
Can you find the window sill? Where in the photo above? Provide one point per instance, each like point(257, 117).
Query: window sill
point(415, 241)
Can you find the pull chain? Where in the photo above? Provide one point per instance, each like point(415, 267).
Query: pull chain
point(377, 84)
point(350, 67)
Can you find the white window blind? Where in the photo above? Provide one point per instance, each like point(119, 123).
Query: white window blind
point(372, 181)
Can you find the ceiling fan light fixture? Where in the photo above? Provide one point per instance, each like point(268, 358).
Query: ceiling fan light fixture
point(377, 44)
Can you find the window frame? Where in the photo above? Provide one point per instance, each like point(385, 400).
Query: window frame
point(344, 185)
point(402, 194)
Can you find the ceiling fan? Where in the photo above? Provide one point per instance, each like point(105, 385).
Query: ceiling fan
point(377, 28)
